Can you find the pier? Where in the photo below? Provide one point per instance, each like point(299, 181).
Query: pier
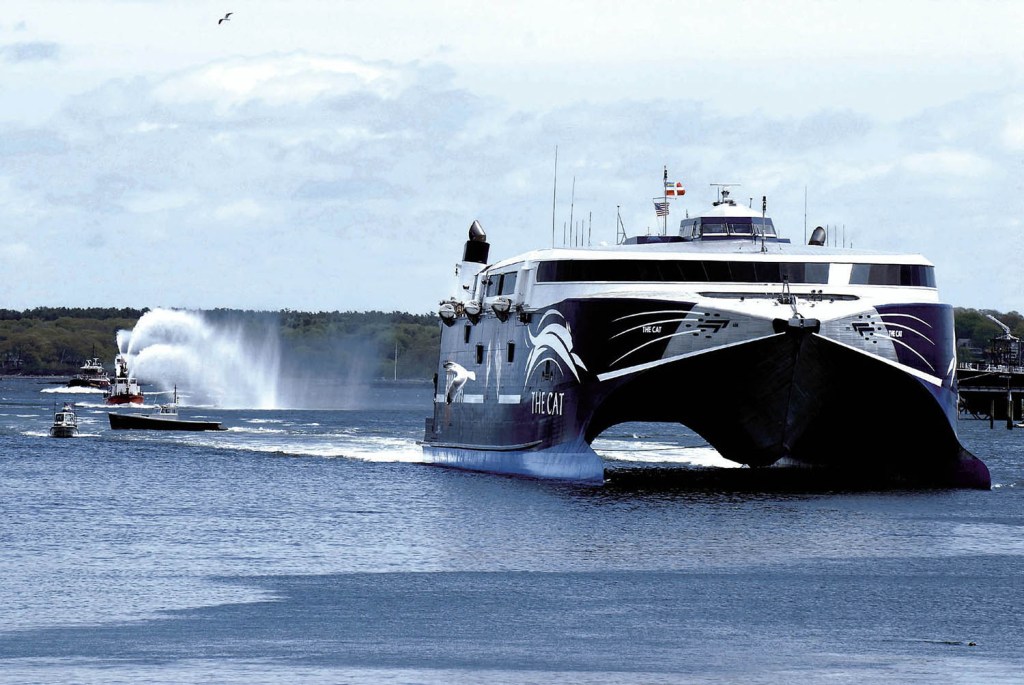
point(994, 389)
point(991, 391)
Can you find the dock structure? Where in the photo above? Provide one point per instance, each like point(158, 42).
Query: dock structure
point(994, 389)
point(993, 392)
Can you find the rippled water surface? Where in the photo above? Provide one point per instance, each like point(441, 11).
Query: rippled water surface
point(310, 546)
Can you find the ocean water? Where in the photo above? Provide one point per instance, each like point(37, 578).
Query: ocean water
point(310, 546)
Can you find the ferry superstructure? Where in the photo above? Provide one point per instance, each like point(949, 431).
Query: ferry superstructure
point(775, 353)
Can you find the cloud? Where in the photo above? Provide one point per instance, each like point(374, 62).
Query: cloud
point(947, 163)
point(243, 209)
point(300, 178)
point(294, 79)
point(37, 51)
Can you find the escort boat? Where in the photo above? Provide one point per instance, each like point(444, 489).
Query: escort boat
point(65, 422)
point(166, 419)
point(776, 353)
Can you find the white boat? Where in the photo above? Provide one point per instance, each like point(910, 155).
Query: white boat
point(775, 353)
point(65, 422)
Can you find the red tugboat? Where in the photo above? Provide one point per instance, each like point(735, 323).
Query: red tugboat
point(124, 389)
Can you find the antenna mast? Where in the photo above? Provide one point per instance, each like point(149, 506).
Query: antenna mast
point(572, 203)
point(554, 194)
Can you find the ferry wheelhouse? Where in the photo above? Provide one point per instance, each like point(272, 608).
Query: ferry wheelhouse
point(776, 353)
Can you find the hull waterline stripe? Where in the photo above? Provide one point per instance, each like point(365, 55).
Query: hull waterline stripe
point(480, 448)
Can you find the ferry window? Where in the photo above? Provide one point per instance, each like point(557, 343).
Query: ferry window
point(768, 272)
point(684, 271)
point(466, 332)
point(714, 228)
point(763, 226)
point(479, 353)
point(493, 284)
point(692, 271)
point(740, 229)
point(508, 283)
point(743, 272)
point(815, 272)
point(893, 274)
point(688, 229)
point(717, 271)
point(511, 352)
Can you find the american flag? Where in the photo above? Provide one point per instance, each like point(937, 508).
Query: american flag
point(661, 208)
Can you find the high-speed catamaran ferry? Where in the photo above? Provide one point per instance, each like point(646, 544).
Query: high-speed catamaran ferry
point(775, 353)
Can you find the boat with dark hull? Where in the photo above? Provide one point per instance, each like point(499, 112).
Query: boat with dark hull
point(775, 353)
point(90, 375)
point(166, 419)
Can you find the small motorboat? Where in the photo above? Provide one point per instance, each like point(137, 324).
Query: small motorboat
point(166, 419)
point(65, 422)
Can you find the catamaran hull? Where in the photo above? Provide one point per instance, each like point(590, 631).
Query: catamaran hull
point(787, 394)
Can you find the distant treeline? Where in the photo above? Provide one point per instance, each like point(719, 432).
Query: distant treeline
point(57, 340)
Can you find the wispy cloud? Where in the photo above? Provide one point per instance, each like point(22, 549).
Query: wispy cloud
point(37, 51)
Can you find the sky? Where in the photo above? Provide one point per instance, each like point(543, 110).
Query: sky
point(331, 155)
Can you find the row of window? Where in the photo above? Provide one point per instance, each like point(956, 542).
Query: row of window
point(646, 270)
point(510, 350)
point(742, 226)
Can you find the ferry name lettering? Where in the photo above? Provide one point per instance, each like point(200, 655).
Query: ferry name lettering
point(547, 403)
point(652, 329)
point(896, 334)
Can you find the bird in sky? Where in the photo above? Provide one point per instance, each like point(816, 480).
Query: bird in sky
point(225, 18)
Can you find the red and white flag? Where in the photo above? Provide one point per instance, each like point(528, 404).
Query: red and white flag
point(674, 189)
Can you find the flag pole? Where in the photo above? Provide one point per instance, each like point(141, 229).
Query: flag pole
point(664, 198)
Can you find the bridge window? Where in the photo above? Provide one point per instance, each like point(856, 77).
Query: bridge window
point(672, 271)
point(893, 274)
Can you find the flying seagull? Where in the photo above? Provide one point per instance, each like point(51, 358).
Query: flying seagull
point(225, 18)
point(459, 375)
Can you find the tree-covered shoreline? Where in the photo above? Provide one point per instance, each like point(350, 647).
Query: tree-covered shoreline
point(55, 341)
